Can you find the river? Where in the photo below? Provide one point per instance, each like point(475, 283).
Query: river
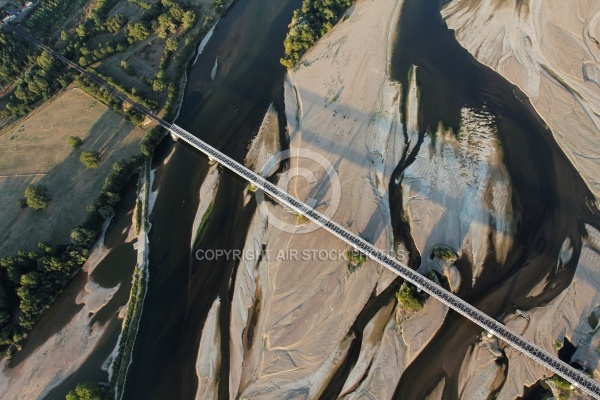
point(225, 109)
point(549, 195)
point(225, 112)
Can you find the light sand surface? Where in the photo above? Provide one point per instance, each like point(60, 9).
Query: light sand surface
point(208, 191)
point(208, 363)
point(565, 316)
point(291, 319)
point(296, 314)
point(551, 50)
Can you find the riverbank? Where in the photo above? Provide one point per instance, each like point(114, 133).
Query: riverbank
point(66, 335)
point(122, 359)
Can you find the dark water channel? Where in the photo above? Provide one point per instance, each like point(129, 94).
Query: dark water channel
point(549, 196)
point(225, 112)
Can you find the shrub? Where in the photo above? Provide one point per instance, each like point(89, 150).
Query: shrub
point(355, 259)
point(563, 386)
point(36, 197)
point(91, 159)
point(408, 297)
point(75, 142)
point(444, 253)
point(558, 344)
point(87, 391)
point(355, 256)
point(82, 236)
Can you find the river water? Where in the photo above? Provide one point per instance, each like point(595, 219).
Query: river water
point(549, 196)
point(225, 112)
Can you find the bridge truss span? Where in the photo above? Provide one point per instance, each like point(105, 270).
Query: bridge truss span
point(576, 377)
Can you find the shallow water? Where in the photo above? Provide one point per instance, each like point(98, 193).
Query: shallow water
point(549, 196)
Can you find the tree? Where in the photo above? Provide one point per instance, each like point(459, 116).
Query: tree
point(407, 296)
point(91, 159)
point(188, 20)
point(137, 32)
point(86, 391)
point(75, 142)
point(171, 44)
point(126, 67)
point(37, 197)
point(82, 236)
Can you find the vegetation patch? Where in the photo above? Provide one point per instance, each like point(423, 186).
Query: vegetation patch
point(89, 391)
point(444, 253)
point(558, 344)
point(37, 197)
point(201, 232)
point(562, 386)
point(409, 298)
point(252, 188)
point(75, 142)
point(356, 259)
point(90, 159)
point(131, 322)
point(309, 24)
point(300, 218)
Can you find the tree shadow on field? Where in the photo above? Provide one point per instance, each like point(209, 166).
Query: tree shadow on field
point(71, 187)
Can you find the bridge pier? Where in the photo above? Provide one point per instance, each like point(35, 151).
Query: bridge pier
point(174, 136)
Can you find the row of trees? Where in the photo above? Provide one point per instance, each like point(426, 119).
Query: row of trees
point(46, 76)
point(30, 281)
point(50, 14)
point(15, 53)
point(309, 24)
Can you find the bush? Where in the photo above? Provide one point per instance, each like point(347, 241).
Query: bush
point(91, 159)
point(409, 298)
point(355, 259)
point(563, 386)
point(75, 142)
point(36, 197)
point(355, 256)
point(87, 391)
point(444, 253)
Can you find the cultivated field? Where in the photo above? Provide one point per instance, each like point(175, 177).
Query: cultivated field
point(35, 151)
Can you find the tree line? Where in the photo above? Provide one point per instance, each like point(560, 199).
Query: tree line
point(310, 23)
point(31, 280)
